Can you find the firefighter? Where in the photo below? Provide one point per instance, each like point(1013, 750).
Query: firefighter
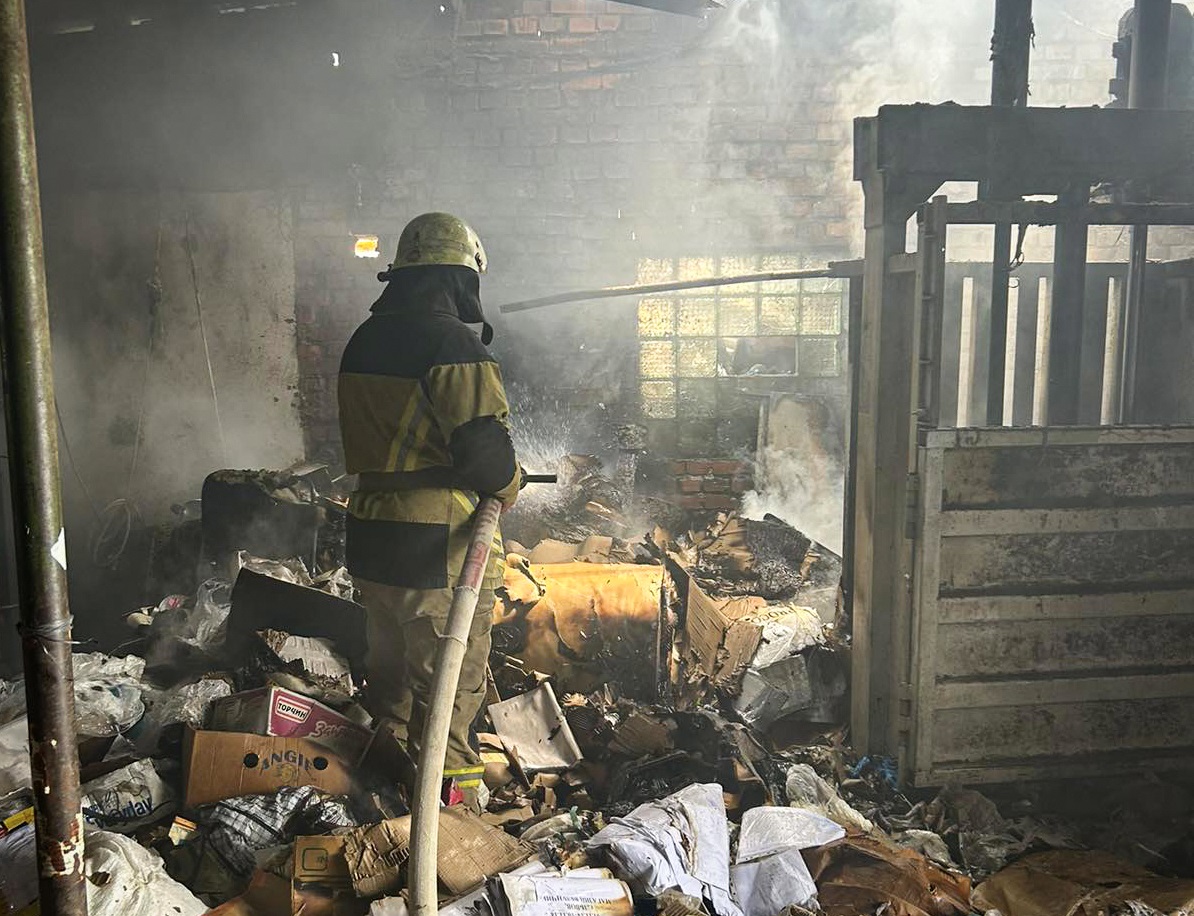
point(423, 419)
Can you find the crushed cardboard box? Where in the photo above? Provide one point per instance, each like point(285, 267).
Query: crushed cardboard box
point(725, 636)
point(281, 713)
point(220, 765)
point(469, 852)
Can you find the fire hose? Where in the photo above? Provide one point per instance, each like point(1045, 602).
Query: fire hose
point(449, 656)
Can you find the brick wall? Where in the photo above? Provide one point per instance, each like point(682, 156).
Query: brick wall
point(711, 484)
point(581, 136)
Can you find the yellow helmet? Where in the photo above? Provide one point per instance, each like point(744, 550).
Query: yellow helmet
point(439, 238)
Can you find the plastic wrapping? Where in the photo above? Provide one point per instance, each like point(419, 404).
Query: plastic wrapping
point(107, 694)
point(186, 705)
point(805, 789)
point(126, 879)
point(770, 873)
point(680, 842)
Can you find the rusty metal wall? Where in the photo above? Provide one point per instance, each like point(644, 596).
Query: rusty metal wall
point(1052, 616)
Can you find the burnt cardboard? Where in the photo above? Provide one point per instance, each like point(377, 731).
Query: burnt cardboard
point(261, 602)
point(469, 852)
point(220, 765)
point(281, 713)
point(708, 624)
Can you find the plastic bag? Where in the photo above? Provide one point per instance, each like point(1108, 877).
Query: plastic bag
point(128, 798)
point(770, 874)
point(682, 841)
point(126, 879)
point(107, 694)
point(805, 789)
point(187, 705)
point(14, 756)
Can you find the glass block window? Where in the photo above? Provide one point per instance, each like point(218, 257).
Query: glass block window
point(689, 339)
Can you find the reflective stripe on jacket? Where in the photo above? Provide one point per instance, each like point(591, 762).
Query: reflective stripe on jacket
point(423, 416)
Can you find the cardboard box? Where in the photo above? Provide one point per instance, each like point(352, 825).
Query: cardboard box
point(322, 885)
point(282, 713)
point(219, 765)
point(469, 852)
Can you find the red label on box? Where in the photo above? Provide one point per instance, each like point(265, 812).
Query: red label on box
point(283, 713)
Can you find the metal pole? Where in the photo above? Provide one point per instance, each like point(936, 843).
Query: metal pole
point(1068, 310)
point(1146, 89)
point(29, 412)
point(1011, 48)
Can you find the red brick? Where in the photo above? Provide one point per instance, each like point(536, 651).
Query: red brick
point(582, 25)
point(690, 484)
point(699, 467)
point(608, 23)
point(525, 25)
point(741, 485)
point(692, 502)
point(551, 24)
point(534, 7)
point(569, 6)
point(496, 27)
point(676, 467)
point(720, 502)
point(725, 467)
point(716, 485)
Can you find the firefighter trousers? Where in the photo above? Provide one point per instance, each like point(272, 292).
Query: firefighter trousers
point(404, 626)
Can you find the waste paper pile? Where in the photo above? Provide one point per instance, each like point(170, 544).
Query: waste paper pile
point(663, 734)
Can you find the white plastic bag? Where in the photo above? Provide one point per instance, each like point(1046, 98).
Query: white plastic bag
point(680, 842)
point(805, 789)
point(128, 798)
point(14, 756)
point(107, 694)
point(126, 879)
point(187, 704)
point(770, 873)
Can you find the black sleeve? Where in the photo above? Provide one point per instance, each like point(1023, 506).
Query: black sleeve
point(483, 456)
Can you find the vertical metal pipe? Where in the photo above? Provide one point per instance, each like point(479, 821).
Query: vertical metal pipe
point(1146, 89)
point(29, 412)
point(1067, 314)
point(1011, 48)
point(1150, 54)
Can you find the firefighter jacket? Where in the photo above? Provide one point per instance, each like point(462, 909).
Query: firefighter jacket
point(423, 417)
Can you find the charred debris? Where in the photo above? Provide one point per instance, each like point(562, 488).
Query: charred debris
point(664, 734)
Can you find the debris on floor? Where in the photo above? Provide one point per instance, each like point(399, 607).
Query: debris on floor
point(664, 733)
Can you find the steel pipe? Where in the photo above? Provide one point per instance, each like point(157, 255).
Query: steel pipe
point(37, 508)
point(1147, 87)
